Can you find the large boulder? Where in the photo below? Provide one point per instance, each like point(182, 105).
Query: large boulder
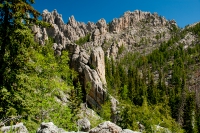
point(84, 124)
point(18, 128)
point(49, 128)
point(106, 127)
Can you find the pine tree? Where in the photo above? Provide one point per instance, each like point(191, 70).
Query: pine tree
point(190, 116)
point(16, 39)
point(31, 77)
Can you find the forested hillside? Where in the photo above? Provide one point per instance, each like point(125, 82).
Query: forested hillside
point(141, 71)
point(159, 87)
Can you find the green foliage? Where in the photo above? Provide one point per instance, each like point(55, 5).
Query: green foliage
point(15, 45)
point(32, 78)
point(121, 50)
point(48, 76)
point(83, 40)
point(105, 111)
point(148, 116)
point(190, 115)
point(92, 66)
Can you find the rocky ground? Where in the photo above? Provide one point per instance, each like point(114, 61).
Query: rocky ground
point(83, 127)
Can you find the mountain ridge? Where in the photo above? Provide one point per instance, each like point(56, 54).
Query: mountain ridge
point(93, 47)
point(102, 34)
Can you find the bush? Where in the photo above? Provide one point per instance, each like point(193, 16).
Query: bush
point(83, 40)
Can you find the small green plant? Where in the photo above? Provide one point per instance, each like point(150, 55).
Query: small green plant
point(92, 66)
point(121, 50)
point(83, 40)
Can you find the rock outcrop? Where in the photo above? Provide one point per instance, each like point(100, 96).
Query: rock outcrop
point(131, 32)
point(97, 61)
point(132, 18)
point(91, 69)
point(102, 26)
point(49, 128)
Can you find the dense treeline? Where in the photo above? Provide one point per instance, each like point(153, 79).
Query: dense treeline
point(158, 83)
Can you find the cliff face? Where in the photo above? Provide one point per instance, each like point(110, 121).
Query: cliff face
point(135, 31)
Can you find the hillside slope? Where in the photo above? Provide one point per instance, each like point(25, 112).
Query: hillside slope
point(143, 60)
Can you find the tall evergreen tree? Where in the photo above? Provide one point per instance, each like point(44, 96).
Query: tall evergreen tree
point(16, 17)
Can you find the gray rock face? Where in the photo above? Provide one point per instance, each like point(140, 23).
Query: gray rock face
point(101, 24)
point(84, 124)
point(91, 69)
point(97, 61)
point(97, 94)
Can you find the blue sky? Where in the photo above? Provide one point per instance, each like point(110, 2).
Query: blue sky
point(183, 11)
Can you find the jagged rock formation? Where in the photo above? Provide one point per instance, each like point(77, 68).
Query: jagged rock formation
point(91, 69)
point(135, 31)
point(131, 18)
